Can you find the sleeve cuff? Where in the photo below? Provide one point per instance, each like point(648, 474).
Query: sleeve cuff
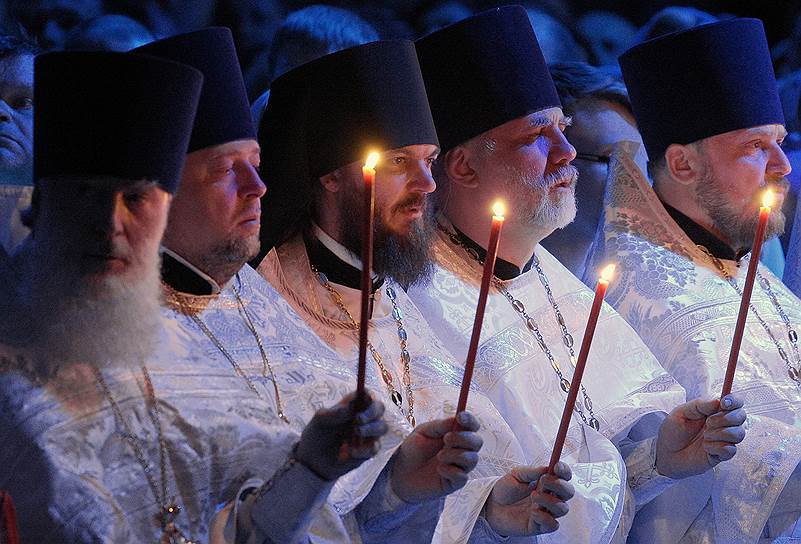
point(644, 479)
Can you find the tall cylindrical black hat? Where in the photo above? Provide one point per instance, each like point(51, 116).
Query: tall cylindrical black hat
point(700, 82)
point(329, 113)
point(223, 114)
point(482, 72)
point(112, 114)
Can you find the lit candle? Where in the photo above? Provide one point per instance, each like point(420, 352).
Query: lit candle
point(368, 173)
point(578, 373)
point(739, 328)
point(486, 278)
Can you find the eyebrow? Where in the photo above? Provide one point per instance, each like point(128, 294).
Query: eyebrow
point(253, 150)
point(544, 121)
point(769, 132)
point(406, 153)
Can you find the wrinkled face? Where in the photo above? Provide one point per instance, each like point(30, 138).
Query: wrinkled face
point(403, 183)
point(92, 283)
point(530, 159)
point(16, 119)
point(216, 214)
point(99, 228)
point(737, 168)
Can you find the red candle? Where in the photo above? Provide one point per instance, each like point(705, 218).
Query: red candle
point(489, 268)
point(368, 173)
point(739, 328)
point(578, 373)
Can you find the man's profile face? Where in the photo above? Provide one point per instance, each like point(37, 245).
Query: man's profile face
point(529, 158)
point(99, 228)
point(403, 182)
point(216, 213)
point(737, 167)
point(16, 119)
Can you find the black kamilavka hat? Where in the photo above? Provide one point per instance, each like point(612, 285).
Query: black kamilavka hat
point(482, 72)
point(329, 113)
point(112, 114)
point(223, 114)
point(700, 82)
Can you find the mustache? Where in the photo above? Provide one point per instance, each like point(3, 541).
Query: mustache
point(414, 200)
point(780, 184)
point(567, 173)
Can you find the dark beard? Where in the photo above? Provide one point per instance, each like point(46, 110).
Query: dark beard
point(405, 259)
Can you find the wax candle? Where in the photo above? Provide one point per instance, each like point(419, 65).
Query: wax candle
point(578, 373)
point(368, 173)
point(745, 301)
point(486, 280)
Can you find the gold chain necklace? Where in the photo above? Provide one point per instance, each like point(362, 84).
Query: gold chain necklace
point(169, 509)
point(794, 372)
point(266, 366)
point(405, 356)
point(533, 328)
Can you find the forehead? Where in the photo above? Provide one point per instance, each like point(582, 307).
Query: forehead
point(772, 131)
point(416, 150)
point(238, 147)
point(549, 116)
point(17, 69)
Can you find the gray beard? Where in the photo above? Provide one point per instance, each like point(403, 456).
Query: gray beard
point(405, 259)
point(547, 216)
point(726, 219)
point(61, 319)
point(228, 258)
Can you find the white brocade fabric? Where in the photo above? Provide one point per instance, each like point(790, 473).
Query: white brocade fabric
point(74, 478)
point(435, 377)
point(671, 293)
point(623, 380)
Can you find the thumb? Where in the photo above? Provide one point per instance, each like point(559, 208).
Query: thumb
point(699, 409)
point(435, 429)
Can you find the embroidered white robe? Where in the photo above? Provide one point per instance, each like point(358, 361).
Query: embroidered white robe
point(627, 387)
point(63, 453)
point(672, 294)
point(435, 377)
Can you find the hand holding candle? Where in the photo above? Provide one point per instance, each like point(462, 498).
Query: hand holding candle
point(739, 328)
point(578, 372)
point(368, 173)
point(486, 279)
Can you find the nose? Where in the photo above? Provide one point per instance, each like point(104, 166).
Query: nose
point(561, 152)
point(108, 213)
point(421, 179)
point(779, 165)
point(249, 182)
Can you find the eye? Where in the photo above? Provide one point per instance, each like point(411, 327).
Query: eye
point(23, 104)
point(398, 161)
point(133, 198)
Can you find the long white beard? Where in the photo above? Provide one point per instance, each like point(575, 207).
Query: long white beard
point(68, 320)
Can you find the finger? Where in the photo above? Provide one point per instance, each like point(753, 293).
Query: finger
point(463, 440)
point(720, 451)
point(339, 414)
point(374, 429)
point(727, 419)
point(466, 460)
point(364, 450)
point(557, 487)
point(562, 470)
point(731, 435)
point(454, 477)
point(436, 428)
point(698, 409)
point(545, 521)
point(528, 474)
point(731, 402)
point(467, 421)
point(550, 504)
point(373, 411)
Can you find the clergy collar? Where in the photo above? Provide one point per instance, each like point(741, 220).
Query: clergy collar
point(338, 263)
point(504, 270)
point(702, 237)
point(184, 277)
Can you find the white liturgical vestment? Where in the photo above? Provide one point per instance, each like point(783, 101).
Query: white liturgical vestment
point(628, 391)
point(75, 478)
point(435, 378)
point(675, 296)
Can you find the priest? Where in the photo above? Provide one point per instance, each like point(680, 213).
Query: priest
point(219, 309)
point(502, 138)
point(713, 134)
point(321, 121)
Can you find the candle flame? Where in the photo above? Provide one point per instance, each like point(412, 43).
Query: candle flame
point(767, 198)
point(372, 160)
point(608, 272)
point(498, 209)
